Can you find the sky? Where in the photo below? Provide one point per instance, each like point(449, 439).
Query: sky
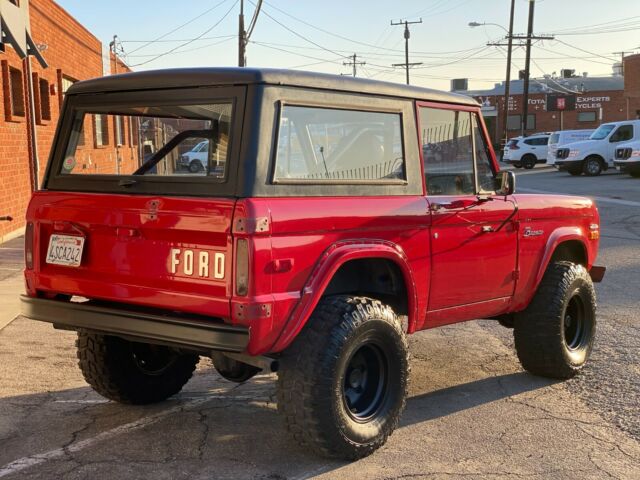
point(321, 35)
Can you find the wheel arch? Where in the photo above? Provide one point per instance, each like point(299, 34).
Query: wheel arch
point(338, 271)
point(566, 243)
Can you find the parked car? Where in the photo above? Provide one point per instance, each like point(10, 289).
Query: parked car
point(324, 241)
point(562, 137)
point(196, 159)
point(595, 155)
point(627, 158)
point(526, 151)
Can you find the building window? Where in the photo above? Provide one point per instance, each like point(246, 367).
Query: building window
point(513, 122)
point(45, 103)
point(101, 130)
point(586, 116)
point(15, 104)
point(66, 83)
point(119, 130)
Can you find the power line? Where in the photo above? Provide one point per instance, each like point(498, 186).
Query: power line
point(179, 27)
point(225, 38)
point(190, 41)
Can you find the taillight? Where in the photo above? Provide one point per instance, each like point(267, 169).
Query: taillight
point(242, 267)
point(28, 246)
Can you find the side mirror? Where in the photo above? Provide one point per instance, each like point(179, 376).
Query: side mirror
point(507, 183)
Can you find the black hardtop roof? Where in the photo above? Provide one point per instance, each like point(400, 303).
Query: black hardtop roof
point(195, 77)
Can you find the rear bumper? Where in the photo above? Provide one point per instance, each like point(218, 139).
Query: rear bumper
point(138, 325)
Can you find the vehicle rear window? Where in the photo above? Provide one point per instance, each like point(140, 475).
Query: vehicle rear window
point(335, 145)
point(171, 140)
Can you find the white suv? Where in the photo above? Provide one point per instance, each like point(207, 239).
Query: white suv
point(526, 152)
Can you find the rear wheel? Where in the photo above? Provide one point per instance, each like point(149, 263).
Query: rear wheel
point(529, 161)
point(342, 384)
point(132, 372)
point(554, 335)
point(592, 166)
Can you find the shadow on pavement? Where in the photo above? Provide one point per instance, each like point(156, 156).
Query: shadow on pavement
point(237, 432)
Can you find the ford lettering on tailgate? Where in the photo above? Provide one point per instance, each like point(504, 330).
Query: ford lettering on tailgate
point(185, 262)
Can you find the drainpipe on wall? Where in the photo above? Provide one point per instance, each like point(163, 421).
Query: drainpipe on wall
point(31, 125)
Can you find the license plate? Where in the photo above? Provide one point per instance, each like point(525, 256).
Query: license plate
point(65, 250)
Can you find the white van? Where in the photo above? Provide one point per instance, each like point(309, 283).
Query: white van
point(562, 137)
point(593, 156)
point(627, 158)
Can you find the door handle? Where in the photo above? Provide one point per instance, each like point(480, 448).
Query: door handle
point(453, 205)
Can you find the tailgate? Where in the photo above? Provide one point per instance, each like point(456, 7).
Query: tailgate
point(165, 252)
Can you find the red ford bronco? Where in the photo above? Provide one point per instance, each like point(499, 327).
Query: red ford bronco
point(330, 217)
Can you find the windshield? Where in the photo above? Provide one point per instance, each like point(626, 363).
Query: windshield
point(602, 132)
point(171, 140)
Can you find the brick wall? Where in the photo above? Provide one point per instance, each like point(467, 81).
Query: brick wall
point(72, 53)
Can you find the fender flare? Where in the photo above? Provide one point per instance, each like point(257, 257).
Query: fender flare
point(558, 236)
point(330, 261)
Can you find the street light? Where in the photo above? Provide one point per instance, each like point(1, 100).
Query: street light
point(505, 110)
point(478, 24)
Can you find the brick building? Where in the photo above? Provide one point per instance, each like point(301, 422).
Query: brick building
point(600, 99)
point(43, 51)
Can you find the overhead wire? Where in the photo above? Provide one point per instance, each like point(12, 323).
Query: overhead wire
point(190, 41)
point(178, 27)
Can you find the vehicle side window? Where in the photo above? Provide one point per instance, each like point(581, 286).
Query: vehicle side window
point(624, 132)
point(447, 149)
point(531, 141)
point(486, 177)
point(334, 145)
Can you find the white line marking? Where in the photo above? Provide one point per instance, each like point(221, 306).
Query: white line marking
point(32, 460)
point(615, 201)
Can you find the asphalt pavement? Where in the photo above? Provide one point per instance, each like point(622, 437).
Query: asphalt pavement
point(472, 411)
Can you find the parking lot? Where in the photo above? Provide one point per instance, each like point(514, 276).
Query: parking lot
point(472, 411)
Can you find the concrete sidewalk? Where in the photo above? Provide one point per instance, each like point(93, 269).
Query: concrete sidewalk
point(11, 280)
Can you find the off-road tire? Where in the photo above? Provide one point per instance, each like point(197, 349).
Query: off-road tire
point(549, 342)
point(575, 171)
point(312, 379)
point(592, 166)
point(529, 161)
point(111, 367)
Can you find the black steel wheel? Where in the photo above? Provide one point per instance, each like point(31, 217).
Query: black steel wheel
point(554, 336)
point(342, 384)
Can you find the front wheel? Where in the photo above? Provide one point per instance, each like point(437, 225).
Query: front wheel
point(592, 166)
point(132, 372)
point(554, 335)
point(342, 384)
point(195, 166)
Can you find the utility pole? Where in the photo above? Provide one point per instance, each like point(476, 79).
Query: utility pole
point(354, 63)
point(507, 83)
point(245, 35)
point(527, 71)
point(242, 37)
point(407, 35)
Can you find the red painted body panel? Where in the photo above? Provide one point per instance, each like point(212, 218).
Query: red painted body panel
point(476, 260)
